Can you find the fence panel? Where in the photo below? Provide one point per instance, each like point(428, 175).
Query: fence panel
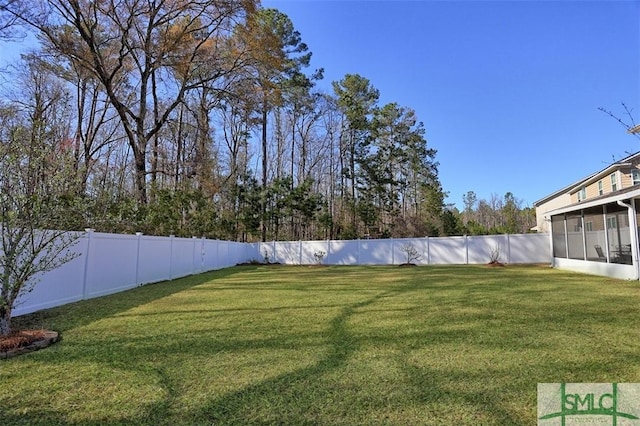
point(223, 254)
point(181, 257)
point(210, 255)
point(111, 264)
point(342, 253)
point(529, 248)
point(236, 253)
point(481, 248)
point(58, 287)
point(287, 252)
point(252, 253)
point(418, 245)
point(447, 251)
point(153, 261)
point(309, 249)
point(376, 252)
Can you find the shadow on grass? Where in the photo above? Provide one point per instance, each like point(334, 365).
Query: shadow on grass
point(292, 398)
point(307, 395)
point(84, 312)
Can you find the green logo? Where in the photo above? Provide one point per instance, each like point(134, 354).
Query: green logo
point(588, 403)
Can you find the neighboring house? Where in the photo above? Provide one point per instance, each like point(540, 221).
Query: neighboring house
point(618, 176)
point(593, 223)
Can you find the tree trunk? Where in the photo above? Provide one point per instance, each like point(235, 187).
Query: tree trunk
point(5, 321)
point(140, 176)
point(263, 206)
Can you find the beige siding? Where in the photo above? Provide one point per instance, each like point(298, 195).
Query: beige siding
point(625, 177)
point(592, 190)
point(553, 204)
point(574, 198)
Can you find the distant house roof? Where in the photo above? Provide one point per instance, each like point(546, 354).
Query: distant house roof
point(574, 187)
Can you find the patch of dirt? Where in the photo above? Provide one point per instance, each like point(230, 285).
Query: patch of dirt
point(495, 263)
point(406, 265)
point(24, 341)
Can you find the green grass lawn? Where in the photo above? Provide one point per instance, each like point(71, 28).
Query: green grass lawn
point(439, 345)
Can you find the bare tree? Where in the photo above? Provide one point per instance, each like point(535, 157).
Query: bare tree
point(32, 180)
point(411, 252)
point(141, 51)
point(631, 124)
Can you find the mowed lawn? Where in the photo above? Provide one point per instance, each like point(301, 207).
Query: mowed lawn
point(437, 345)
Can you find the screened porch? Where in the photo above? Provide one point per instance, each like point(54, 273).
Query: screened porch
point(599, 236)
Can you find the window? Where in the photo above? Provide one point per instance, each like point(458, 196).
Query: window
point(614, 182)
point(600, 190)
point(635, 175)
point(582, 194)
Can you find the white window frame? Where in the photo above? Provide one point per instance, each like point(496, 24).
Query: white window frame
point(582, 194)
point(600, 187)
point(635, 176)
point(614, 181)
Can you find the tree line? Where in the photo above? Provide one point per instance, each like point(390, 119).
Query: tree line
point(204, 118)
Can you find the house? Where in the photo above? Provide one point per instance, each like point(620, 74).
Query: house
point(593, 223)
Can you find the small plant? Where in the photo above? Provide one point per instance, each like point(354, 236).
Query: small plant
point(494, 256)
point(319, 256)
point(411, 252)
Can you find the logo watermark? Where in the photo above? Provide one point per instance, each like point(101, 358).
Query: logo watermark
point(568, 404)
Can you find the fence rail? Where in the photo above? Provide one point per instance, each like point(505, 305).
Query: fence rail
point(110, 263)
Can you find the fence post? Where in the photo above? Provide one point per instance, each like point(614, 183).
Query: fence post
point(358, 262)
point(393, 252)
point(466, 251)
point(428, 251)
point(193, 255)
point(202, 246)
point(171, 257)
point(328, 249)
point(274, 251)
point(508, 248)
point(85, 277)
point(139, 235)
point(217, 264)
point(299, 252)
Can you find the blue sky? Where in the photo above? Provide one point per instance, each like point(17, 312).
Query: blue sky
point(508, 91)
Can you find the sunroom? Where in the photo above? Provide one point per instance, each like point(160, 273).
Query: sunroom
point(598, 236)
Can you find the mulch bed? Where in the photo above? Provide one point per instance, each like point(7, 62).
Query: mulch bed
point(25, 341)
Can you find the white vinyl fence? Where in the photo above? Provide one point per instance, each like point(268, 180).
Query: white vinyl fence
point(520, 248)
point(110, 263)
